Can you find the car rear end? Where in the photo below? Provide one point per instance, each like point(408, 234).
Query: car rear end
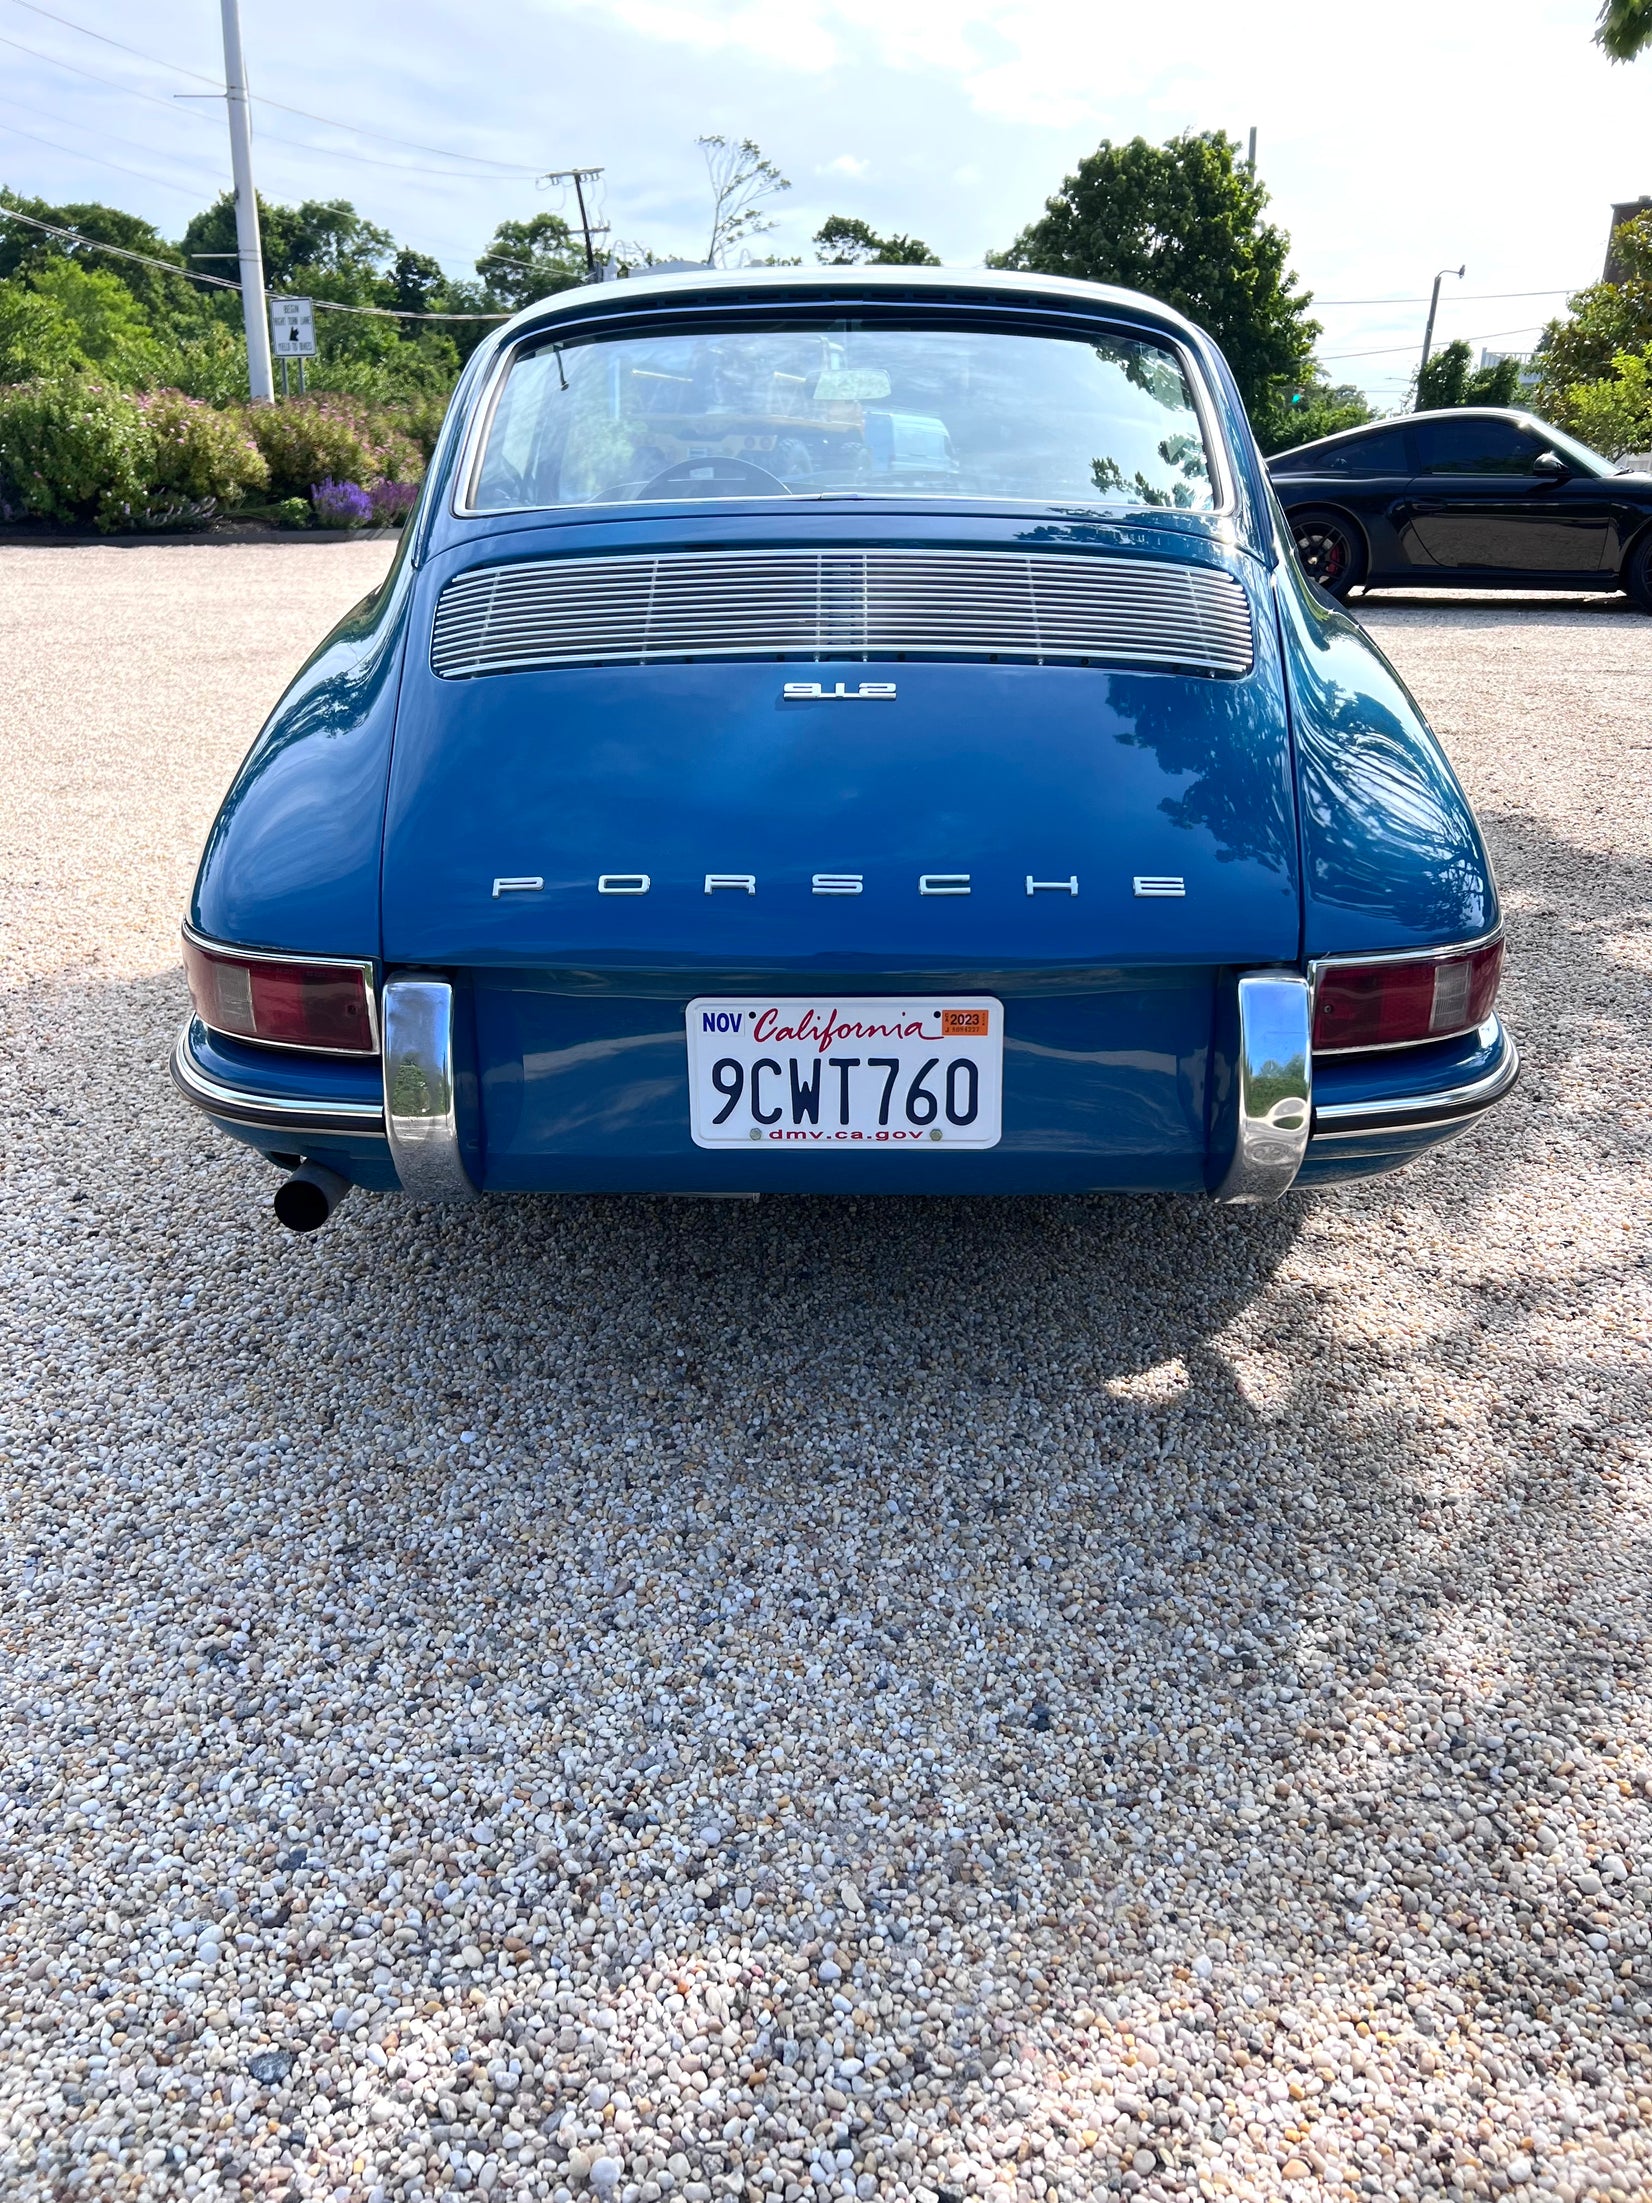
point(773, 806)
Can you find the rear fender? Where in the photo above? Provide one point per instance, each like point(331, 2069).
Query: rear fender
point(1392, 854)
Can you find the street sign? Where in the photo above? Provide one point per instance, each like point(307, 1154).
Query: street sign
point(292, 328)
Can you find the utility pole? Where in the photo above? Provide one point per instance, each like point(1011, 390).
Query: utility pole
point(1250, 158)
point(579, 178)
point(255, 313)
point(1433, 308)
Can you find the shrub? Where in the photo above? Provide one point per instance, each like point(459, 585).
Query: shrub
point(199, 452)
point(329, 438)
point(75, 450)
point(292, 512)
point(341, 504)
point(392, 501)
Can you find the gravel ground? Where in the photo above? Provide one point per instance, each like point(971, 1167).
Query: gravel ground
point(818, 1698)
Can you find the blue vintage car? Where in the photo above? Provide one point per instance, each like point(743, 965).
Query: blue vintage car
point(844, 731)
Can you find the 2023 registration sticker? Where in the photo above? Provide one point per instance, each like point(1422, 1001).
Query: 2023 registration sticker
point(924, 1075)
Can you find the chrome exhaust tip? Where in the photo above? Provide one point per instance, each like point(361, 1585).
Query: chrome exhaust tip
point(304, 1201)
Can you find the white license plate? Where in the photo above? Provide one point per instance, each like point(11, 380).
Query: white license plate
point(831, 1076)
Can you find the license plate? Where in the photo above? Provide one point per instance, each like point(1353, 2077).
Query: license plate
point(924, 1074)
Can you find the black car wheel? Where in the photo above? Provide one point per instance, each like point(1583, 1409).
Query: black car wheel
point(1330, 550)
point(1637, 573)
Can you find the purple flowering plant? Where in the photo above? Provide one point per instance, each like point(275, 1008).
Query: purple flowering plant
point(392, 501)
point(340, 504)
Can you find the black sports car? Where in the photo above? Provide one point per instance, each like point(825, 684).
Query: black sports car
point(1467, 499)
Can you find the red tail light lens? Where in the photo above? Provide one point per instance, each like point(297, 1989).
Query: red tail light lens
point(1394, 1001)
point(288, 1004)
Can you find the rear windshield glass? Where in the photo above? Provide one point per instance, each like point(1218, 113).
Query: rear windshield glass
point(844, 408)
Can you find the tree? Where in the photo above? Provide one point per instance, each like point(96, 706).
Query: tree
point(108, 325)
point(320, 249)
point(529, 260)
point(1605, 319)
point(1183, 222)
point(1319, 407)
point(37, 339)
point(741, 178)
point(845, 241)
point(1450, 379)
point(169, 301)
point(1614, 414)
point(1625, 28)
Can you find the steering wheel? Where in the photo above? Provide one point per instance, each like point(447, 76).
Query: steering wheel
point(713, 476)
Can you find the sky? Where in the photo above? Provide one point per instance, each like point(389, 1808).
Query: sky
point(1427, 134)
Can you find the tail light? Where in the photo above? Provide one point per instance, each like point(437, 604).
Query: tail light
point(285, 1002)
point(1393, 1002)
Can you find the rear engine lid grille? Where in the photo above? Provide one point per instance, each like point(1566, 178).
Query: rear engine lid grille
point(1045, 608)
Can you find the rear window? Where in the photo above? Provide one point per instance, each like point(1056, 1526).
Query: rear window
point(844, 408)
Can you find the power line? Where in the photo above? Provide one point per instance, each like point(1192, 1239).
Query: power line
point(408, 145)
point(1380, 351)
point(45, 114)
point(98, 161)
point(1463, 297)
point(221, 282)
point(268, 137)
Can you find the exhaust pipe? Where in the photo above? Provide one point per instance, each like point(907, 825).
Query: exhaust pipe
point(306, 1199)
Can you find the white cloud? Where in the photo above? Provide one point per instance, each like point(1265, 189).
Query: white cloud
point(845, 165)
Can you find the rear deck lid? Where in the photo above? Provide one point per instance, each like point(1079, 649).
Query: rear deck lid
point(843, 760)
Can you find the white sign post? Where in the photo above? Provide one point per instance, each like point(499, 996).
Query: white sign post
point(292, 335)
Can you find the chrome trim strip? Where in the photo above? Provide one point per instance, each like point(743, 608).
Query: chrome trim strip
point(247, 1105)
point(1403, 1112)
point(421, 1114)
point(1275, 1074)
point(1320, 964)
point(363, 964)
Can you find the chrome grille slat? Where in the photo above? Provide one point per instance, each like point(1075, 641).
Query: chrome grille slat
point(641, 609)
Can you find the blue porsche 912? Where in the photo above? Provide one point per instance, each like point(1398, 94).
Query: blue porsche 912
point(844, 731)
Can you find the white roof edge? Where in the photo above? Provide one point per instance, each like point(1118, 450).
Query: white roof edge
point(837, 280)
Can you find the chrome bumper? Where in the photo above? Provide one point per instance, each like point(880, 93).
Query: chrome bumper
point(420, 1123)
point(260, 1111)
point(1443, 1109)
point(1275, 1076)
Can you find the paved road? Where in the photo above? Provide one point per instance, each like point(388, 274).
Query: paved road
point(822, 1698)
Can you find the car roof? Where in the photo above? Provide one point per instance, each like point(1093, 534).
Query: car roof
point(1404, 420)
point(854, 279)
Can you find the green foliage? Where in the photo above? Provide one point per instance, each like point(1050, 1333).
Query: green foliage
point(1450, 378)
point(844, 241)
point(1580, 360)
point(73, 449)
point(1615, 413)
point(292, 512)
point(110, 327)
point(330, 438)
point(211, 366)
point(1625, 28)
point(529, 260)
point(200, 452)
point(1184, 223)
point(37, 339)
point(169, 303)
point(1322, 409)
